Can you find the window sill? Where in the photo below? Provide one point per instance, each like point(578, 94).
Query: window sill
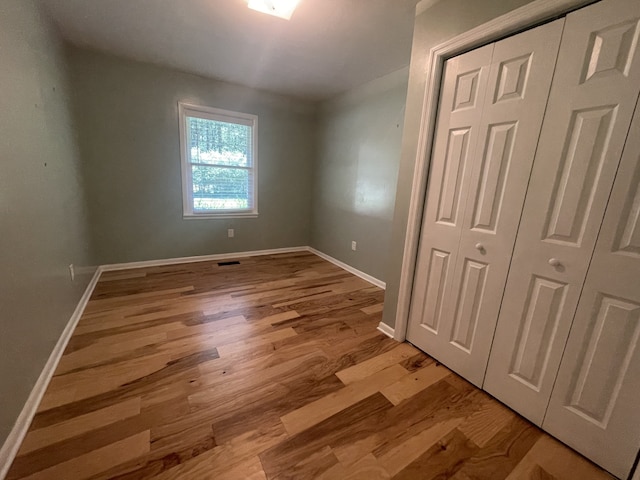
point(209, 216)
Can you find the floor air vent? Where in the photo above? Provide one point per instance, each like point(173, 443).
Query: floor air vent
point(224, 264)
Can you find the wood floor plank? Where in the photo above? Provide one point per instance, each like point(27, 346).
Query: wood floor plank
point(313, 413)
point(294, 449)
point(125, 275)
point(92, 382)
point(227, 391)
point(248, 470)
point(227, 329)
point(367, 368)
point(502, 452)
point(370, 310)
point(106, 303)
point(395, 460)
point(173, 371)
point(367, 468)
point(211, 464)
point(256, 360)
point(43, 437)
point(417, 361)
point(101, 354)
point(267, 338)
point(409, 385)
point(272, 407)
point(486, 422)
point(93, 463)
point(89, 331)
point(277, 318)
point(539, 473)
point(550, 457)
point(271, 368)
point(312, 466)
point(402, 422)
point(442, 460)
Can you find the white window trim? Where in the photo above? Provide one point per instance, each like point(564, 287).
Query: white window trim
point(188, 109)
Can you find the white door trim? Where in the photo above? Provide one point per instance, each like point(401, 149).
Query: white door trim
point(513, 22)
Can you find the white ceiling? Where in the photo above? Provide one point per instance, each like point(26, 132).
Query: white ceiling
point(328, 46)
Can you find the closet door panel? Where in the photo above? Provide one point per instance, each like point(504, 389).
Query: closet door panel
point(456, 300)
point(460, 110)
point(590, 106)
point(521, 71)
point(594, 403)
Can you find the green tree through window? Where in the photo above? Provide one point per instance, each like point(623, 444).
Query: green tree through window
point(220, 162)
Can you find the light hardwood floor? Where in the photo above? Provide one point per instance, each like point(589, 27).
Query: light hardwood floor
point(271, 368)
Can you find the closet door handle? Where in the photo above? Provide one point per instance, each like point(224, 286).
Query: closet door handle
point(480, 247)
point(554, 262)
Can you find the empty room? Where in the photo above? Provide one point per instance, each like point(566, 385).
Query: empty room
point(320, 239)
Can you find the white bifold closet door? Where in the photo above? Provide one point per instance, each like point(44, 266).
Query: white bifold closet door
point(596, 397)
point(490, 113)
point(592, 99)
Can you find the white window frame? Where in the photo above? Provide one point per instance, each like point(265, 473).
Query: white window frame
point(190, 110)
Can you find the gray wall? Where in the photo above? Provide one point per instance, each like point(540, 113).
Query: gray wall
point(443, 21)
point(128, 127)
point(355, 175)
point(42, 218)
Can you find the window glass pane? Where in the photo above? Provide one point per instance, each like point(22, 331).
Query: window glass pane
point(219, 188)
point(221, 143)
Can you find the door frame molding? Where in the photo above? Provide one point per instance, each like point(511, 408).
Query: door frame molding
point(528, 16)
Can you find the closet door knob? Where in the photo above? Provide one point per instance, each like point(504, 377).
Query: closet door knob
point(554, 262)
point(479, 246)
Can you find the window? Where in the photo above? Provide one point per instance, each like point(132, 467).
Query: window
point(219, 162)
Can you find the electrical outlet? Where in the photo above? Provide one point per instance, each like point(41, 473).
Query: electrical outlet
point(230, 233)
point(353, 245)
point(72, 272)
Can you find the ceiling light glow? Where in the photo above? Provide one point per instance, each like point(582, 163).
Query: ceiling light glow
point(279, 8)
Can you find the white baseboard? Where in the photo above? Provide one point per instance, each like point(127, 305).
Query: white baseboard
point(386, 329)
point(253, 253)
point(349, 268)
point(9, 449)
point(199, 258)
